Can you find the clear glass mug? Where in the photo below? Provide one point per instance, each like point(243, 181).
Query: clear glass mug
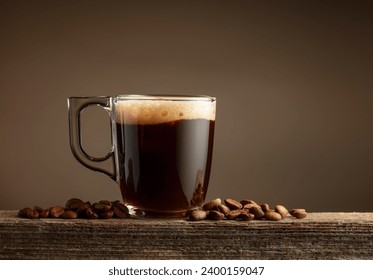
point(161, 149)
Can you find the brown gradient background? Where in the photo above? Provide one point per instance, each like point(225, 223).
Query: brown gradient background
point(293, 81)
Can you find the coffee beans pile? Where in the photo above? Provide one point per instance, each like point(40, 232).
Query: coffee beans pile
point(76, 208)
point(244, 210)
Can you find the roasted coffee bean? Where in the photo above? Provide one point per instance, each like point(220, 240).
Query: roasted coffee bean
point(44, 213)
point(233, 214)
point(257, 212)
point(197, 215)
point(224, 209)
point(296, 209)
point(82, 209)
point(299, 213)
point(213, 204)
point(28, 213)
point(247, 201)
point(215, 215)
point(281, 210)
point(24, 212)
point(102, 206)
point(265, 207)
point(33, 214)
point(120, 210)
point(73, 203)
point(69, 214)
point(106, 215)
point(245, 216)
point(249, 206)
point(91, 214)
point(56, 211)
point(232, 204)
point(273, 216)
point(106, 202)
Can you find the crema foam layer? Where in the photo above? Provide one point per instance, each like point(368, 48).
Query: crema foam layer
point(162, 111)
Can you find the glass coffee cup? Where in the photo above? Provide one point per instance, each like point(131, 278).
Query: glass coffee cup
point(161, 149)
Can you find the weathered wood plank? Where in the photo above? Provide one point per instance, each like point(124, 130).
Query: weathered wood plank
point(319, 236)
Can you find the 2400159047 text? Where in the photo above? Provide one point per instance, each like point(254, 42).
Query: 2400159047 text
point(232, 270)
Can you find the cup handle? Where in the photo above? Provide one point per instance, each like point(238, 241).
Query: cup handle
point(75, 107)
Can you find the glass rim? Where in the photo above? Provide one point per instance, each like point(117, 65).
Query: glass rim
point(163, 97)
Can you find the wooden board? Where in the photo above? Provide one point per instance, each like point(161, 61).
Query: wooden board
point(319, 236)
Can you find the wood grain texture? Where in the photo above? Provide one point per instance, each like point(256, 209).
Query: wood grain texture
point(319, 236)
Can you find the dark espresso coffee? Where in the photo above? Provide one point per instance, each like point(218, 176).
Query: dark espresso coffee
point(164, 157)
